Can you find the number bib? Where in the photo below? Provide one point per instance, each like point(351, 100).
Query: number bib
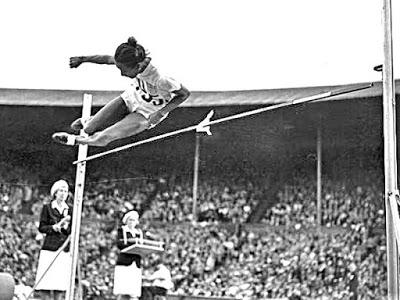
point(149, 92)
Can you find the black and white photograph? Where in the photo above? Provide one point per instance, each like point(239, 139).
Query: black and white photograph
point(199, 150)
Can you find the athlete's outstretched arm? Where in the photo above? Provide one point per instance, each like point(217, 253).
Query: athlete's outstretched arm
point(76, 61)
point(180, 96)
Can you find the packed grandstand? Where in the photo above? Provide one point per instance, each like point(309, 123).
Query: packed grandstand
point(254, 234)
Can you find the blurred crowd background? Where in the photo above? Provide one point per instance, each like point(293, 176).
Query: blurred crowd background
point(229, 249)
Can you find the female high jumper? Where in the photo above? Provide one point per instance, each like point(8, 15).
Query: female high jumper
point(148, 100)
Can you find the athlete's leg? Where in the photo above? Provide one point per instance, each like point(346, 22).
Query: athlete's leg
point(112, 112)
point(131, 124)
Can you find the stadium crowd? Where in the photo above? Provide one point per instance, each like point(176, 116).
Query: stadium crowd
point(222, 253)
point(356, 206)
point(217, 201)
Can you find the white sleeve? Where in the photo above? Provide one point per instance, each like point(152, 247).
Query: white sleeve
point(168, 84)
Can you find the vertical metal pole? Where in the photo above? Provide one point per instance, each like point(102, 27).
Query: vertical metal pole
point(78, 199)
point(319, 181)
point(389, 131)
point(196, 175)
point(80, 293)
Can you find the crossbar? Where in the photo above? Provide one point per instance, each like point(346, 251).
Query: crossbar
point(232, 117)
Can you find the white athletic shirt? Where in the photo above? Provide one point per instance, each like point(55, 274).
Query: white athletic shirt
point(149, 91)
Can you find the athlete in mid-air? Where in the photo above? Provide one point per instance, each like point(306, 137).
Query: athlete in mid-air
point(147, 101)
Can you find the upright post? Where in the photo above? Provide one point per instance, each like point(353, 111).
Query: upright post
point(196, 176)
point(78, 199)
point(319, 173)
point(390, 157)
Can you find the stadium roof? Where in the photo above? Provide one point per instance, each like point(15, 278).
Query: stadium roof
point(73, 98)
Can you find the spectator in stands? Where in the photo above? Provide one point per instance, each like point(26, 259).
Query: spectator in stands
point(55, 220)
point(160, 281)
point(128, 272)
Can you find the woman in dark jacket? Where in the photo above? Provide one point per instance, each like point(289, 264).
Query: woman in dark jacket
point(128, 272)
point(55, 224)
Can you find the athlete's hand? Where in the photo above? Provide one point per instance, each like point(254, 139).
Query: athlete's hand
point(75, 61)
point(156, 118)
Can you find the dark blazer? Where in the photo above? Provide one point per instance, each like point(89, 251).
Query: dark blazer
point(48, 217)
point(126, 259)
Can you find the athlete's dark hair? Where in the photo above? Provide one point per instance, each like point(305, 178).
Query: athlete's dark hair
point(130, 53)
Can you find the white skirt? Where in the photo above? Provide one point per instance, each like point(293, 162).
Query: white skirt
point(57, 277)
point(128, 280)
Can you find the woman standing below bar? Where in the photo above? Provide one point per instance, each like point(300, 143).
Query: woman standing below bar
point(128, 272)
point(52, 276)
